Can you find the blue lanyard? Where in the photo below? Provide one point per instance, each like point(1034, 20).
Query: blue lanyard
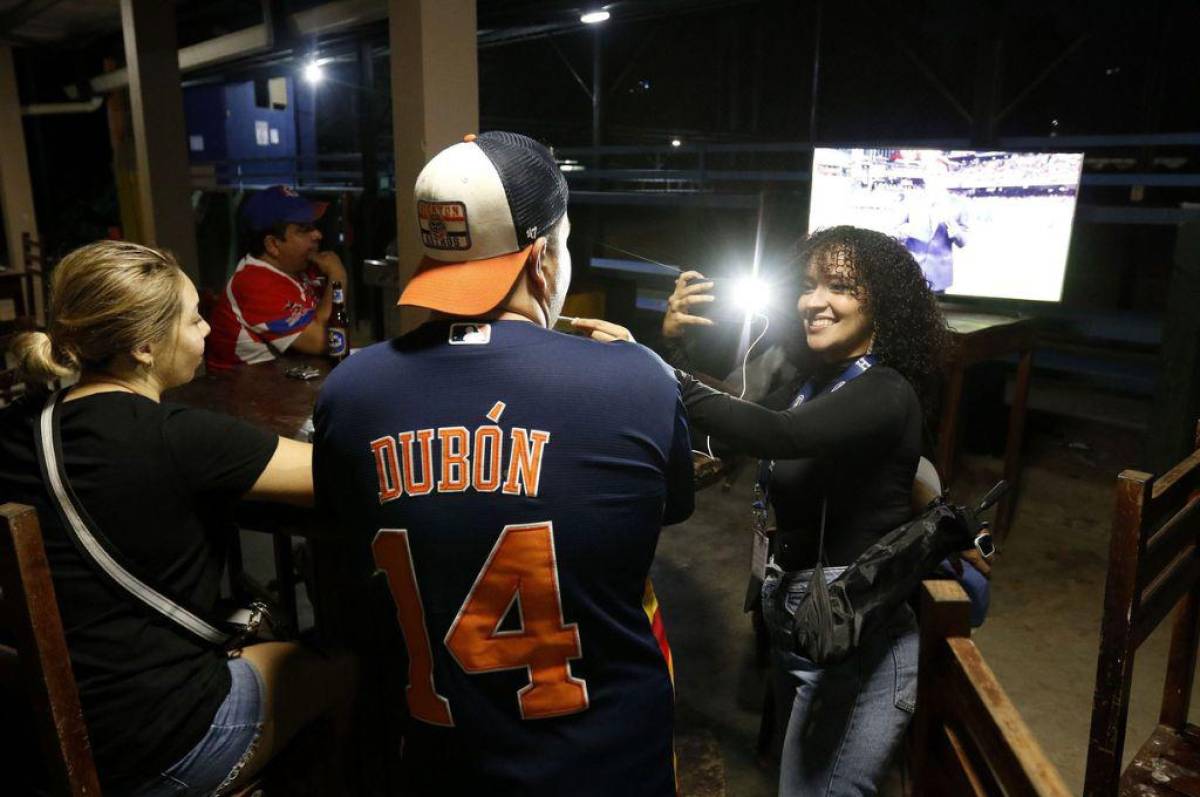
point(766, 466)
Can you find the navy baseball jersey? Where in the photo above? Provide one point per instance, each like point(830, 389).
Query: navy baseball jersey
point(511, 482)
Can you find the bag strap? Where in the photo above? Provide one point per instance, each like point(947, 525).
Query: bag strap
point(87, 538)
point(821, 538)
point(762, 484)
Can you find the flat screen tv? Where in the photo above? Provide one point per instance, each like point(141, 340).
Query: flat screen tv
point(985, 224)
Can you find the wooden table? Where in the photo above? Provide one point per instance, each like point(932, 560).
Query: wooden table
point(979, 337)
point(261, 394)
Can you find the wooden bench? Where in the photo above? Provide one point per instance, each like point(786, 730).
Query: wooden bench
point(42, 669)
point(1152, 568)
point(968, 738)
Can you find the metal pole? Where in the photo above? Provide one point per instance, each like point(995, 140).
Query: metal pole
point(597, 87)
point(760, 232)
point(816, 72)
point(368, 140)
point(987, 84)
point(748, 321)
point(1045, 73)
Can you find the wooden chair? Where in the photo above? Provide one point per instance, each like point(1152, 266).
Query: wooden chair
point(41, 669)
point(10, 385)
point(16, 291)
point(968, 739)
point(21, 287)
point(39, 665)
point(1152, 567)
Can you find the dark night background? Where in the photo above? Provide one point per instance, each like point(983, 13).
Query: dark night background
point(1115, 376)
point(735, 72)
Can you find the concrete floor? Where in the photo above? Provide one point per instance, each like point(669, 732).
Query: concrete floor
point(1041, 637)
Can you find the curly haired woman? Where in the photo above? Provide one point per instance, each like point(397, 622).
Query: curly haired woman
point(839, 462)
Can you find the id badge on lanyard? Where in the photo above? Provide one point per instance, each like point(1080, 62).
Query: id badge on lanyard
point(759, 512)
point(760, 552)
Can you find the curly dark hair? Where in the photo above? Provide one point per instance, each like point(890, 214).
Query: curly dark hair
point(910, 331)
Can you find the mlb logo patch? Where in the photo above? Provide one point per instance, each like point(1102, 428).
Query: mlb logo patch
point(470, 334)
point(444, 225)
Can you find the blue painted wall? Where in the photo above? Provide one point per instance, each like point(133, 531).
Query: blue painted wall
point(204, 110)
point(226, 117)
point(306, 119)
point(241, 117)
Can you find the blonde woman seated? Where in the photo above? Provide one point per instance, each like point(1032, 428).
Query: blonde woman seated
point(167, 713)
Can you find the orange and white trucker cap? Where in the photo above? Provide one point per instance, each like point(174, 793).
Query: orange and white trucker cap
point(480, 207)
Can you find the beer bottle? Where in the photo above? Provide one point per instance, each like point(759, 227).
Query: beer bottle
point(337, 335)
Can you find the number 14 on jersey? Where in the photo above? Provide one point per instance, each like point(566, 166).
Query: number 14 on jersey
point(521, 569)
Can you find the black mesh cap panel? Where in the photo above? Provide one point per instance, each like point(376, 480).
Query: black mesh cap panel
point(533, 183)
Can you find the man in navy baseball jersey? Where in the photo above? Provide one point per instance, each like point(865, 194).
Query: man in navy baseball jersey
point(511, 482)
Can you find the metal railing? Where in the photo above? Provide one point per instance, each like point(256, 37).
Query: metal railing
point(731, 175)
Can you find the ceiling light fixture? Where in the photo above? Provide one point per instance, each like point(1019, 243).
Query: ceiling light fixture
point(313, 72)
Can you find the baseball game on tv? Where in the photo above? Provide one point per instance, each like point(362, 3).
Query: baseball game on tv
point(981, 223)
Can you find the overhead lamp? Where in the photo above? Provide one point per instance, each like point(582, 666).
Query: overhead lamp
point(595, 17)
point(676, 142)
point(313, 72)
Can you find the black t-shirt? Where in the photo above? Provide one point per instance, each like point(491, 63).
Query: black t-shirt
point(159, 481)
point(857, 448)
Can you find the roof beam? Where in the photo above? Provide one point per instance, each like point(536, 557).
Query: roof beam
point(327, 18)
point(24, 12)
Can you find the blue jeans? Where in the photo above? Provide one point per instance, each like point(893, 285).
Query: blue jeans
point(231, 740)
point(846, 721)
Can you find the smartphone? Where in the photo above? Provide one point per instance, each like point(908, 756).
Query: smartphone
point(733, 297)
point(737, 297)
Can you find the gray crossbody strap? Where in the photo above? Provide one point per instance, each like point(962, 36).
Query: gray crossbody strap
point(87, 542)
point(821, 543)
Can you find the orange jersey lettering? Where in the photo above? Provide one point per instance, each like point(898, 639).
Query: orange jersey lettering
point(387, 468)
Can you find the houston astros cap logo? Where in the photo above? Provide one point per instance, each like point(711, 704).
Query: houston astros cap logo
point(444, 226)
point(481, 206)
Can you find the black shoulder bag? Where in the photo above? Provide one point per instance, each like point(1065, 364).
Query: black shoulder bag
point(832, 619)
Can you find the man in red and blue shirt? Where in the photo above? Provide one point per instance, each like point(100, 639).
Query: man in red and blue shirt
point(275, 301)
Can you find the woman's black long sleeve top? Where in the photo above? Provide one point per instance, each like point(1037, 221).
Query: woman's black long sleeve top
point(856, 447)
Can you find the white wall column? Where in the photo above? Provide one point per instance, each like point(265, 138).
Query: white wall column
point(16, 189)
point(159, 131)
point(435, 102)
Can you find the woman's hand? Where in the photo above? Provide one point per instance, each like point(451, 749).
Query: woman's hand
point(681, 301)
point(975, 558)
point(978, 562)
point(603, 331)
